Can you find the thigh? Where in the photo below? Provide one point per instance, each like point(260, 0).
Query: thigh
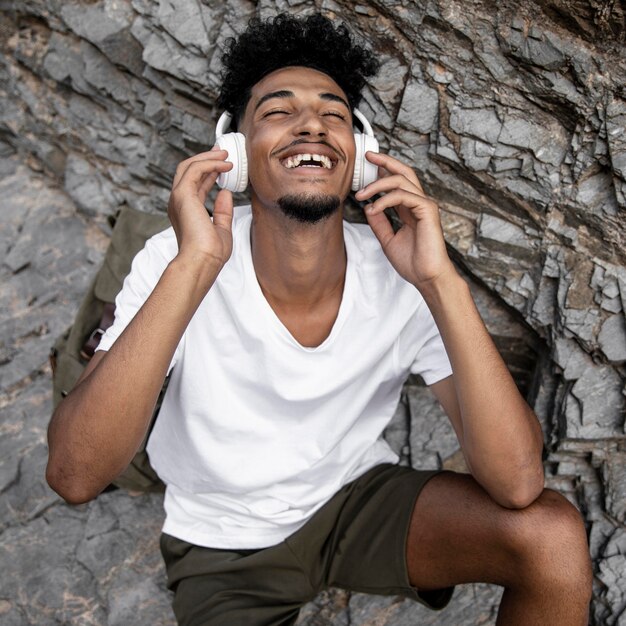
point(357, 541)
point(215, 587)
point(458, 534)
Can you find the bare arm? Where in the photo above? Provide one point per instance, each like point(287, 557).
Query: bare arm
point(499, 434)
point(96, 430)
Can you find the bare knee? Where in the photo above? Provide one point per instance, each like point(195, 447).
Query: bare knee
point(550, 548)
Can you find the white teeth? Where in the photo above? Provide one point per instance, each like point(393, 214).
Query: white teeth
point(294, 161)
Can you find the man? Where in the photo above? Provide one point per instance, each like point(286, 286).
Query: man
point(289, 334)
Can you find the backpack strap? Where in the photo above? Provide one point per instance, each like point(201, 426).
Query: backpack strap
point(90, 345)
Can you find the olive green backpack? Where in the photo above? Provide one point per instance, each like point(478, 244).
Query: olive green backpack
point(72, 350)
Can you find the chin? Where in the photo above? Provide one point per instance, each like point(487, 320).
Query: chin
point(309, 208)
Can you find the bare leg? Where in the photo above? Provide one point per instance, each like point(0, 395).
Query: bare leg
point(539, 554)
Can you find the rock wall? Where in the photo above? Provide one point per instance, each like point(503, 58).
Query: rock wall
point(513, 115)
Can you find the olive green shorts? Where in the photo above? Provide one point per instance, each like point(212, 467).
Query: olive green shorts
point(356, 541)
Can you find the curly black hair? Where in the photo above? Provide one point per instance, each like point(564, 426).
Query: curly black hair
point(285, 41)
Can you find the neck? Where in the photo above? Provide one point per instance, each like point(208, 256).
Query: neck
point(298, 265)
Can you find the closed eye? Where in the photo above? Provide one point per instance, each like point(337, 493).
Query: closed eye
point(336, 114)
point(273, 112)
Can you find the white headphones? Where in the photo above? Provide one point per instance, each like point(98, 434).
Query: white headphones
point(235, 143)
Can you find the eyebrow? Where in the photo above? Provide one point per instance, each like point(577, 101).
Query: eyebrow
point(283, 93)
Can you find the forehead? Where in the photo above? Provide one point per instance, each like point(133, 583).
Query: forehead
point(300, 80)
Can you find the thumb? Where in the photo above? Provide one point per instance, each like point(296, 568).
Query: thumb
point(223, 209)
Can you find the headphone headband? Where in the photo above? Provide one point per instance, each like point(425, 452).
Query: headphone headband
point(223, 124)
point(366, 125)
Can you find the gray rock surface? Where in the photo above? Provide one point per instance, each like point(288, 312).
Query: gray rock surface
point(512, 113)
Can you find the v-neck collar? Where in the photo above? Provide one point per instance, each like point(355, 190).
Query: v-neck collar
point(264, 306)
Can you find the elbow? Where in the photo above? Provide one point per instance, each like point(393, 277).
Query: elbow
point(526, 483)
point(71, 490)
point(519, 500)
point(524, 492)
point(65, 474)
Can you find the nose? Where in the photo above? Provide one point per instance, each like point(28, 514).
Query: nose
point(309, 123)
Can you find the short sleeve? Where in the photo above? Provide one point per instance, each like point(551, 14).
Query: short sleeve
point(146, 270)
point(431, 361)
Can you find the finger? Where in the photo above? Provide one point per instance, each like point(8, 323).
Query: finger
point(196, 172)
point(207, 185)
point(383, 185)
point(381, 227)
point(397, 199)
point(211, 155)
point(223, 211)
point(393, 166)
point(392, 200)
point(405, 214)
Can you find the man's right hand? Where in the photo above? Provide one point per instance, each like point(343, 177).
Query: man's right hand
point(95, 432)
point(200, 238)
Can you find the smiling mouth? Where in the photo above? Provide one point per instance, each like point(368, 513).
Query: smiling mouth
point(317, 161)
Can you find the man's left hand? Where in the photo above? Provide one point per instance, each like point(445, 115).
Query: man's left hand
point(417, 250)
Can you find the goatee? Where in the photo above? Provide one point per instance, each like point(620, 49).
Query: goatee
point(309, 209)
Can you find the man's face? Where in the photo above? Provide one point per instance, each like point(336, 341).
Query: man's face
point(294, 112)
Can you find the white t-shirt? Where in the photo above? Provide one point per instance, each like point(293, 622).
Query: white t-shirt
point(257, 432)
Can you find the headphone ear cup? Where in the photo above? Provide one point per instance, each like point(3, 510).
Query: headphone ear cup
point(237, 178)
point(364, 171)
